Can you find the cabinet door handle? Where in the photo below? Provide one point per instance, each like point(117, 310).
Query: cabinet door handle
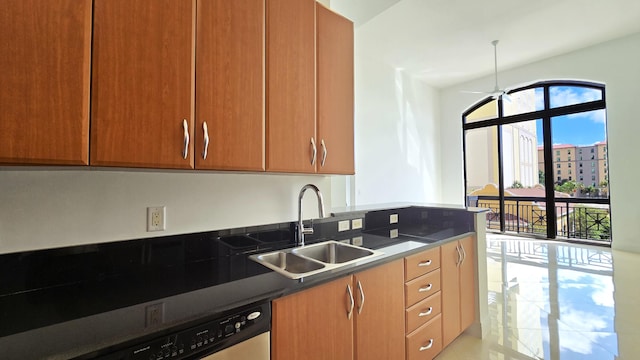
point(351, 302)
point(425, 263)
point(459, 260)
point(426, 313)
point(185, 127)
point(428, 346)
point(426, 288)
point(205, 130)
point(361, 297)
point(464, 254)
point(324, 152)
point(314, 151)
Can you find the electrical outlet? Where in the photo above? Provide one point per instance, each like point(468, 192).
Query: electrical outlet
point(154, 315)
point(393, 219)
point(356, 224)
point(343, 225)
point(156, 217)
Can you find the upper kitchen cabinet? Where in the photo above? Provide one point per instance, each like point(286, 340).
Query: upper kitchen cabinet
point(335, 92)
point(44, 67)
point(143, 83)
point(230, 85)
point(291, 140)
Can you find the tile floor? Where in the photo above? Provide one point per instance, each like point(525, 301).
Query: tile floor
point(556, 301)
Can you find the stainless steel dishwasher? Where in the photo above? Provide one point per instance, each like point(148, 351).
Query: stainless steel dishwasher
point(238, 334)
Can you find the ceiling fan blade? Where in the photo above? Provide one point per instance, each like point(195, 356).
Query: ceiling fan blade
point(474, 92)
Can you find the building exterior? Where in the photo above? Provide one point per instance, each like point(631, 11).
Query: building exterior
point(519, 142)
point(586, 165)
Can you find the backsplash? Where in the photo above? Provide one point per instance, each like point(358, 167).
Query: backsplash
point(82, 280)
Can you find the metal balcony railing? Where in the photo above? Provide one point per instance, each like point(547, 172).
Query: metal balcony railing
point(577, 218)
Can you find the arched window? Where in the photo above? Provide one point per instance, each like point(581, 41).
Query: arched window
point(552, 125)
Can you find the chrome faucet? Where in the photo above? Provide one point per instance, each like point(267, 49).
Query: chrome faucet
point(301, 229)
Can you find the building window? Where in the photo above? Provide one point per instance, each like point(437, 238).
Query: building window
point(569, 164)
point(558, 166)
point(559, 172)
point(569, 153)
point(580, 171)
point(593, 177)
point(570, 178)
point(569, 158)
point(581, 178)
point(593, 164)
point(558, 159)
point(593, 157)
point(569, 173)
point(592, 151)
point(559, 178)
point(557, 152)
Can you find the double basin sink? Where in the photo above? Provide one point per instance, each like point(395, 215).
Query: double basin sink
point(312, 259)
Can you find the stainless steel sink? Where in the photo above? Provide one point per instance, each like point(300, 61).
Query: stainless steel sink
point(332, 252)
point(289, 262)
point(312, 259)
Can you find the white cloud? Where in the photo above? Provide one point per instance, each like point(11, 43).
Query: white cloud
point(561, 96)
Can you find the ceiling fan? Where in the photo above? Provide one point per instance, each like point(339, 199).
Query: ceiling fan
point(497, 92)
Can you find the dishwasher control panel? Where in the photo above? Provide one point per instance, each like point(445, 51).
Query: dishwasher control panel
point(203, 339)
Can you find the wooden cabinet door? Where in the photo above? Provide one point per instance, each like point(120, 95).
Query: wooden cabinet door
point(230, 85)
point(467, 283)
point(450, 288)
point(290, 124)
point(379, 312)
point(45, 49)
point(335, 92)
point(313, 324)
point(142, 91)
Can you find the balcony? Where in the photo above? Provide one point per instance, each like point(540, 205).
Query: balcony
point(586, 219)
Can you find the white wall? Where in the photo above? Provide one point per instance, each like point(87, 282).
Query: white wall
point(397, 141)
point(46, 208)
point(614, 63)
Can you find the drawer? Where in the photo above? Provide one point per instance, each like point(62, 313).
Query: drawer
point(421, 263)
point(423, 311)
point(422, 287)
point(426, 342)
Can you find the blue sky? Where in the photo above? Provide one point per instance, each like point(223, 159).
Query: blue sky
point(577, 129)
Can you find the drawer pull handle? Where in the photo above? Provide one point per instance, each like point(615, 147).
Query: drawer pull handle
point(427, 347)
point(426, 313)
point(425, 263)
point(426, 288)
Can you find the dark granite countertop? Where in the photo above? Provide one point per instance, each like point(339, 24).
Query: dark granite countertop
point(106, 288)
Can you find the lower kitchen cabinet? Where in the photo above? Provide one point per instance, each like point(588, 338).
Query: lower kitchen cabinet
point(423, 301)
point(458, 287)
point(355, 317)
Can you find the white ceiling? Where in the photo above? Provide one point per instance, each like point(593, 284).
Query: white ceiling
point(447, 42)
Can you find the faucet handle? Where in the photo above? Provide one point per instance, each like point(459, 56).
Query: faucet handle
point(307, 230)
